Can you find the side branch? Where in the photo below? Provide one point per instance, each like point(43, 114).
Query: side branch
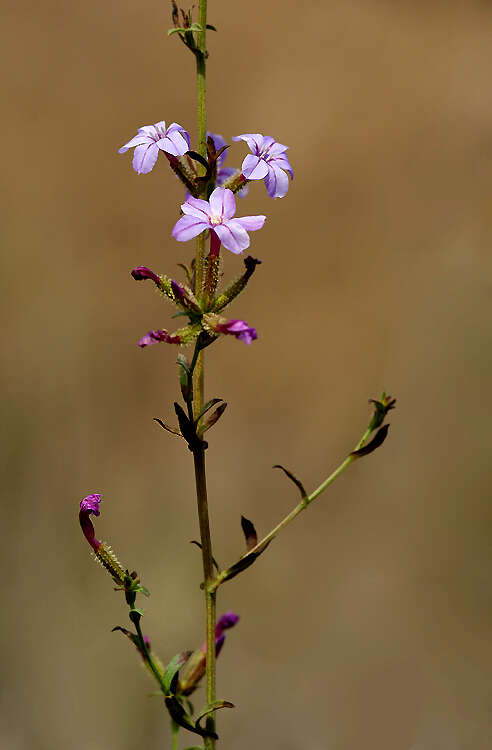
point(362, 448)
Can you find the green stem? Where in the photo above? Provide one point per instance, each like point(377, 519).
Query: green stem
point(201, 89)
point(300, 507)
point(198, 388)
point(175, 733)
point(148, 656)
point(208, 574)
point(201, 75)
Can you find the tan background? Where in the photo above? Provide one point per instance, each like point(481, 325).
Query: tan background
point(366, 626)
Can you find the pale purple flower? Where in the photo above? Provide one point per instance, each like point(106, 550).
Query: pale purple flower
point(267, 161)
point(151, 139)
point(90, 506)
point(154, 337)
point(238, 328)
point(223, 173)
point(217, 215)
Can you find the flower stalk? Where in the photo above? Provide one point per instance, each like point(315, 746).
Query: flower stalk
point(198, 391)
point(208, 213)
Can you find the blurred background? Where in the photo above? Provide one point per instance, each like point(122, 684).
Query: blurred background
point(367, 623)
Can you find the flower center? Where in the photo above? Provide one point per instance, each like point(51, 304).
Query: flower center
point(214, 220)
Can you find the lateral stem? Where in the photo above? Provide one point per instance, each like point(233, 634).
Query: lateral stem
point(298, 509)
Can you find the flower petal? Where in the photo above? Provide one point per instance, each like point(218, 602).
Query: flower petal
point(222, 203)
point(144, 158)
point(251, 223)
point(277, 148)
point(173, 143)
point(254, 168)
point(196, 207)
point(188, 227)
point(233, 236)
point(282, 162)
point(219, 142)
point(174, 127)
point(137, 140)
point(254, 140)
point(276, 182)
point(149, 130)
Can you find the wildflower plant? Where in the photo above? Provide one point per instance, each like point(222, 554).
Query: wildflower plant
point(208, 216)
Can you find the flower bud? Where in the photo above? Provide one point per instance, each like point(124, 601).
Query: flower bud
point(102, 551)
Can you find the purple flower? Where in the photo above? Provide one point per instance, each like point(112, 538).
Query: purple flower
point(142, 272)
point(150, 139)
point(267, 161)
point(217, 215)
point(154, 337)
point(90, 506)
point(223, 173)
point(238, 328)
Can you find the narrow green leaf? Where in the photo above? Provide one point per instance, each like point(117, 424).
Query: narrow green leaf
point(377, 441)
point(176, 30)
point(199, 158)
point(172, 669)
point(294, 479)
point(217, 567)
point(249, 532)
point(210, 709)
point(208, 406)
point(210, 27)
point(214, 417)
point(243, 563)
point(179, 715)
point(165, 426)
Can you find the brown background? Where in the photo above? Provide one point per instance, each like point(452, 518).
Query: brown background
point(366, 625)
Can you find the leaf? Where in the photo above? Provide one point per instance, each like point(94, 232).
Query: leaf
point(294, 479)
point(249, 532)
point(142, 590)
point(176, 30)
point(208, 406)
point(217, 567)
point(195, 27)
point(210, 27)
point(172, 669)
point(199, 158)
point(173, 430)
point(183, 362)
point(221, 151)
point(210, 709)
point(243, 563)
point(376, 442)
point(186, 427)
point(179, 715)
point(214, 417)
point(187, 272)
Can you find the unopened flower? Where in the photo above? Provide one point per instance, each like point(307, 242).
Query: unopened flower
point(216, 215)
point(226, 621)
point(267, 161)
point(142, 272)
point(238, 328)
point(103, 552)
point(194, 669)
point(151, 139)
point(89, 506)
point(154, 337)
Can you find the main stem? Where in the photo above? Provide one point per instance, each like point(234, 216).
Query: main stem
point(198, 388)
